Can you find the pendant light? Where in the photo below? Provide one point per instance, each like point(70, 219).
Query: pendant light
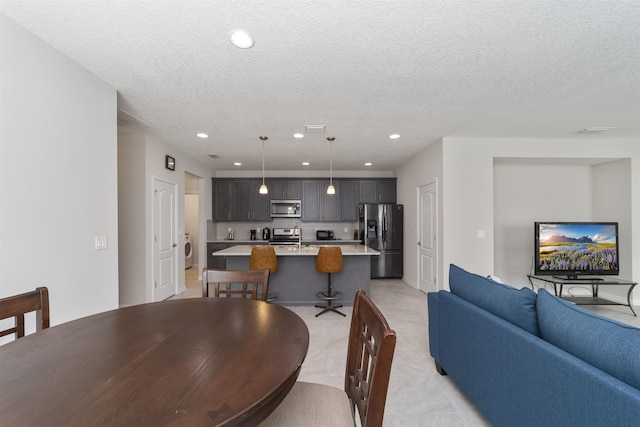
point(331, 189)
point(263, 187)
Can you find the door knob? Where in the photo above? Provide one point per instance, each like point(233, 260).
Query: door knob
point(175, 244)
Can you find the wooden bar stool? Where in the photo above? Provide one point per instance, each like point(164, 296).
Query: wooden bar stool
point(263, 258)
point(329, 260)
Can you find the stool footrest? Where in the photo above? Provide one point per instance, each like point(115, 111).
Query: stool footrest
point(329, 296)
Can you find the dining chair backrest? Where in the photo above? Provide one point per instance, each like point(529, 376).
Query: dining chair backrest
point(18, 305)
point(246, 284)
point(263, 257)
point(369, 356)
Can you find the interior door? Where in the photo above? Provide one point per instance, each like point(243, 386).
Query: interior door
point(427, 238)
point(165, 259)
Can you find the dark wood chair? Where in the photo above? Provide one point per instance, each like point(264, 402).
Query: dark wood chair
point(16, 306)
point(246, 284)
point(369, 357)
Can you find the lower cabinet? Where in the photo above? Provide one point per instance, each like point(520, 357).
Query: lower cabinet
point(216, 262)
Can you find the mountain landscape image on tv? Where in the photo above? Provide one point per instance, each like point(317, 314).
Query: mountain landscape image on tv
point(577, 248)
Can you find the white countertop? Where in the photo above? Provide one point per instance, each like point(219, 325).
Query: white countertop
point(310, 250)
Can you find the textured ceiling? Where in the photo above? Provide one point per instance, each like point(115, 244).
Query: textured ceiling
point(365, 69)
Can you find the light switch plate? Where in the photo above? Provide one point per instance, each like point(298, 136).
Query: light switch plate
point(101, 243)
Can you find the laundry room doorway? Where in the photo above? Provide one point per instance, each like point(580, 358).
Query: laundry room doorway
point(191, 221)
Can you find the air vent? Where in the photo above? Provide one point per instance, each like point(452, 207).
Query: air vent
point(315, 128)
point(127, 119)
point(597, 129)
point(213, 155)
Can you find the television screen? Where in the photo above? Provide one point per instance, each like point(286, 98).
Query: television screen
point(572, 249)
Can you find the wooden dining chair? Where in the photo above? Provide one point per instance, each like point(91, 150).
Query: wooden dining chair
point(246, 284)
point(369, 357)
point(18, 305)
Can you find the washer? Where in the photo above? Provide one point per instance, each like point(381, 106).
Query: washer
point(188, 251)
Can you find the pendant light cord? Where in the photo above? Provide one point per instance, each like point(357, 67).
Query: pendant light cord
point(331, 159)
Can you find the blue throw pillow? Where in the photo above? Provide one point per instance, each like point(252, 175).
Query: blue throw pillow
point(513, 305)
point(610, 346)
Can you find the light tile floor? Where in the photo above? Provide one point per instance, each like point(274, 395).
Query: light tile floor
point(418, 395)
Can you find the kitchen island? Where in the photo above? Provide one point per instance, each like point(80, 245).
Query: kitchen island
point(297, 281)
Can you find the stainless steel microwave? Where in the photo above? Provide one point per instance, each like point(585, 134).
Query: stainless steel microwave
point(286, 209)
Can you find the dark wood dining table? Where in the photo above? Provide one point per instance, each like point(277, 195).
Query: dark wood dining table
point(189, 362)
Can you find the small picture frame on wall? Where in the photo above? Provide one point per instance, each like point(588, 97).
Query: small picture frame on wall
point(170, 163)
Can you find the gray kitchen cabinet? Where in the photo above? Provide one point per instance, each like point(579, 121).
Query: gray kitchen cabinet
point(381, 190)
point(349, 199)
point(285, 189)
point(368, 191)
point(221, 200)
point(311, 200)
point(260, 203)
point(294, 187)
point(387, 190)
point(216, 262)
point(329, 203)
point(241, 200)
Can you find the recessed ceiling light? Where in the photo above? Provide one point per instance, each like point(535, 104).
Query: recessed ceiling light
point(368, 164)
point(237, 164)
point(394, 136)
point(305, 163)
point(241, 39)
point(298, 135)
point(202, 135)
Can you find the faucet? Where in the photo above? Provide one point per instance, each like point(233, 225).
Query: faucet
point(299, 232)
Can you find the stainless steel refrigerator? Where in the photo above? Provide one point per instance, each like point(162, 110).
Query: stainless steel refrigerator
point(380, 228)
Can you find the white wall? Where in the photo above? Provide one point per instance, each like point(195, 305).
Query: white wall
point(58, 182)
point(468, 191)
point(148, 161)
point(525, 193)
point(423, 168)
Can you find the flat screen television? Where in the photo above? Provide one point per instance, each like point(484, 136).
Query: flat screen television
point(572, 250)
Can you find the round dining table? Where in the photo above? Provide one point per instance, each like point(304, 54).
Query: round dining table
point(186, 362)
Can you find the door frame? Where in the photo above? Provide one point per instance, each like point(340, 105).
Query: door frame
point(154, 258)
point(436, 264)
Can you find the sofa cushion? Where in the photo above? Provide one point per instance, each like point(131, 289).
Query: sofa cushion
point(513, 305)
point(610, 346)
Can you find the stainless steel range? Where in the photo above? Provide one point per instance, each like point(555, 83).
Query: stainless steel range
point(285, 236)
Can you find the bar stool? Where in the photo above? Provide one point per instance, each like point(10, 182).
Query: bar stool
point(262, 258)
point(329, 260)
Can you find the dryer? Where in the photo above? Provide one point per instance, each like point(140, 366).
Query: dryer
point(188, 251)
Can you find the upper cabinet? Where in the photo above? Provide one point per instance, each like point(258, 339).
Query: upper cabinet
point(285, 189)
point(260, 203)
point(311, 200)
point(221, 200)
point(330, 203)
point(238, 199)
point(349, 198)
point(380, 190)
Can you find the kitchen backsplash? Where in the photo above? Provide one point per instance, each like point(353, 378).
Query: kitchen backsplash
point(219, 231)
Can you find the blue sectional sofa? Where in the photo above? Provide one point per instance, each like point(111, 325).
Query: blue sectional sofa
point(527, 359)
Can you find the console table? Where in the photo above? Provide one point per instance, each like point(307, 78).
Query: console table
point(559, 282)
